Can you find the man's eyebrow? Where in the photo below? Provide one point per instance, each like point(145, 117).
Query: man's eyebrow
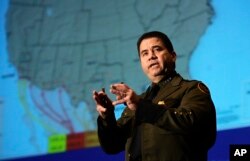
point(153, 47)
point(143, 50)
point(156, 46)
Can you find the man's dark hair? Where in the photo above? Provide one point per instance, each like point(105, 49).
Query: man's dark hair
point(164, 38)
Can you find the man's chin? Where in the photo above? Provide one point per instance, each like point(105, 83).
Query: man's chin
point(156, 78)
point(156, 75)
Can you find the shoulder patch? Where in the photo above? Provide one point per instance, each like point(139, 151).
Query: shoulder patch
point(203, 88)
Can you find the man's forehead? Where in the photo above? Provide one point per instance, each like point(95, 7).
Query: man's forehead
point(149, 42)
point(153, 39)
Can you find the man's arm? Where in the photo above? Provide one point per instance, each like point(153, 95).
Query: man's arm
point(185, 112)
point(111, 136)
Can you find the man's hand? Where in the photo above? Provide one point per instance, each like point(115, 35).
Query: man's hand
point(124, 94)
point(104, 105)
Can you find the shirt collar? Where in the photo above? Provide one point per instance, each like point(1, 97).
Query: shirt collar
point(167, 78)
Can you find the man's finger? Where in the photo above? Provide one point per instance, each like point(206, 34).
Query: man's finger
point(101, 109)
point(120, 101)
point(119, 87)
point(96, 97)
point(119, 94)
point(118, 97)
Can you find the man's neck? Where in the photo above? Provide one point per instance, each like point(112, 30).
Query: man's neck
point(159, 78)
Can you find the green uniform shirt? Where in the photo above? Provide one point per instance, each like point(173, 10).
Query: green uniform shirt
point(179, 124)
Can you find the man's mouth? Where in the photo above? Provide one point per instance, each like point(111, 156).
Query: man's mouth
point(153, 64)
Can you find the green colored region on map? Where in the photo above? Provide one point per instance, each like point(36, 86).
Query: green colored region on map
point(57, 143)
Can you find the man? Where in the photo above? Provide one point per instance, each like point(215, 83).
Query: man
point(174, 120)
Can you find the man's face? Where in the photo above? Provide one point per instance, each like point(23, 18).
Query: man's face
point(155, 58)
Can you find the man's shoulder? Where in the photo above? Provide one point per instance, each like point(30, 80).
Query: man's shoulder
point(190, 81)
point(183, 81)
point(195, 84)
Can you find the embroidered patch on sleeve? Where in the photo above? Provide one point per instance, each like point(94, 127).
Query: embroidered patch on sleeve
point(203, 88)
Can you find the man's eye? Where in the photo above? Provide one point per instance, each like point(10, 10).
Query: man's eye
point(158, 49)
point(144, 54)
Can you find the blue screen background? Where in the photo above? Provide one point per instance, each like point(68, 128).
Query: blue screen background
point(221, 60)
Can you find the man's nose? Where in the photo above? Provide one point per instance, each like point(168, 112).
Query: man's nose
point(152, 55)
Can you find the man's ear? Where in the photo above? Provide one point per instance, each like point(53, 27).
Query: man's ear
point(173, 56)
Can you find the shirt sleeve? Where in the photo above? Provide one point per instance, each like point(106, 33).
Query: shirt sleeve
point(113, 134)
